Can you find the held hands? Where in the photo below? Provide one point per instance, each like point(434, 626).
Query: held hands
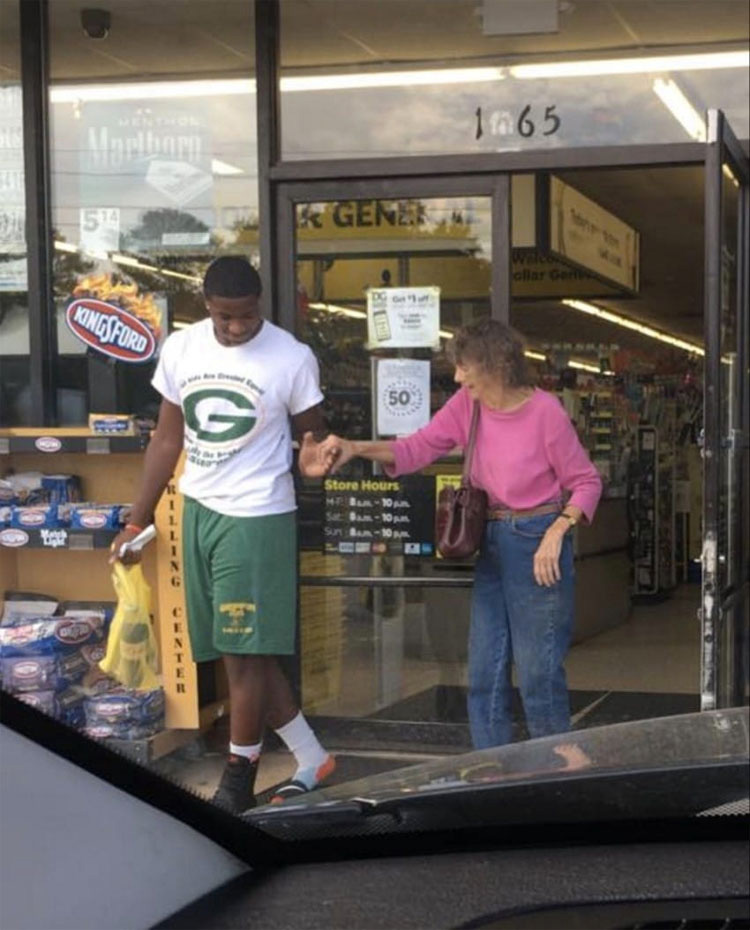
point(547, 556)
point(317, 459)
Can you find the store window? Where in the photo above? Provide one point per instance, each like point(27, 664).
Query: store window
point(154, 173)
point(14, 319)
point(456, 76)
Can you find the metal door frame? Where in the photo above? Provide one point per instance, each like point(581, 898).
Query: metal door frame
point(720, 602)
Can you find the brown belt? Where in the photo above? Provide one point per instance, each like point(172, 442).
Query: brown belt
point(499, 513)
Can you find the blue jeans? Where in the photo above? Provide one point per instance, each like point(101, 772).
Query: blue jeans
point(516, 620)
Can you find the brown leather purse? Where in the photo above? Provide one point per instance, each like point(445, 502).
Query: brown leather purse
point(461, 512)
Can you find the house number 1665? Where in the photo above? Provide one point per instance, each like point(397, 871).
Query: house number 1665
point(527, 124)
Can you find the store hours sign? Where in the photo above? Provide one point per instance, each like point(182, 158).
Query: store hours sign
point(379, 515)
point(403, 392)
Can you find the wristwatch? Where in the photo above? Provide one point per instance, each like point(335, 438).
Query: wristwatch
point(570, 518)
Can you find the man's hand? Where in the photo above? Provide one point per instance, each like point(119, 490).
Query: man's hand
point(338, 451)
point(316, 459)
point(547, 556)
point(130, 558)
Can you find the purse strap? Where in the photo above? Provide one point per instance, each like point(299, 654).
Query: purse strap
point(469, 453)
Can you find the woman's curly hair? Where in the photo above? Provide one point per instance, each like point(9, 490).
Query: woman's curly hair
point(495, 348)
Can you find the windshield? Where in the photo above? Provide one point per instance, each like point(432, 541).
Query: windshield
point(406, 464)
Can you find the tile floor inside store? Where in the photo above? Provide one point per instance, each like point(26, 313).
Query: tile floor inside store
point(647, 666)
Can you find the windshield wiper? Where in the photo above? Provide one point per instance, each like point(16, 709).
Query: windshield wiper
point(645, 793)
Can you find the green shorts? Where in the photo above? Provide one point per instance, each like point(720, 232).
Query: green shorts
point(240, 582)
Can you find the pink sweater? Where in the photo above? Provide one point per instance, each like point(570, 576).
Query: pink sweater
point(522, 459)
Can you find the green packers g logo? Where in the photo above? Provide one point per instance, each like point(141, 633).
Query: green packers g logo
point(219, 417)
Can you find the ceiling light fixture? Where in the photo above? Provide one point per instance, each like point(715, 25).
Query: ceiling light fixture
point(728, 173)
point(391, 79)
point(624, 321)
point(587, 366)
point(150, 90)
point(681, 108)
point(343, 311)
point(146, 90)
point(224, 168)
point(700, 62)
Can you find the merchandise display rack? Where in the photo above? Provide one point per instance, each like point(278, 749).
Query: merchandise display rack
point(72, 565)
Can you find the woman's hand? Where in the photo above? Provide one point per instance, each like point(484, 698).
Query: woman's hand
point(547, 556)
point(316, 458)
point(337, 451)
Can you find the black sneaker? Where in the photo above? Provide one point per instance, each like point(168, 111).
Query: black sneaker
point(236, 791)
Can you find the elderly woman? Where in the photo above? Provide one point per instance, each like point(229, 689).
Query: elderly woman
point(540, 483)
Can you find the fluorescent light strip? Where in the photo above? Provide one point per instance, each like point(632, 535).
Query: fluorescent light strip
point(681, 108)
point(124, 260)
point(343, 311)
point(224, 168)
point(627, 323)
point(728, 173)
point(65, 246)
point(700, 62)
point(586, 366)
point(572, 363)
point(391, 79)
point(148, 90)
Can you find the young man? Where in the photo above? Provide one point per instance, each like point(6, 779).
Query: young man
point(230, 385)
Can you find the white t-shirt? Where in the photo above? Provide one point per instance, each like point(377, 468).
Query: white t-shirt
point(236, 401)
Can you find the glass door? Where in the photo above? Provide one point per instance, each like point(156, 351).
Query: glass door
point(382, 281)
point(725, 610)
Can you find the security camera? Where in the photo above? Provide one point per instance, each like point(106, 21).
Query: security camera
point(96, 23)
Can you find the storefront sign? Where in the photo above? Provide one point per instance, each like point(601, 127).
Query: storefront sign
point(154, 162)
point(179, 672)
point(403, 392)
point(99, 229)
point(110, 330)
point(113, 318)
point(582, 232)
point(535, 275)
point(403, 317)
point(379, 516)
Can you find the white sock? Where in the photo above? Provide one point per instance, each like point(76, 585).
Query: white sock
point(248, 752)
point(303, 743)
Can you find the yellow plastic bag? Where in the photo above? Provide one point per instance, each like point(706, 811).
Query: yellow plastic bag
point(132, 654)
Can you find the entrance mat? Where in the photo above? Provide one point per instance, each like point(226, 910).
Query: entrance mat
point(621, 706)
point(447, 704)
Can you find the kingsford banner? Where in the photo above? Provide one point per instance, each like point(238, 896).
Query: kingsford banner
point(112, 317)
